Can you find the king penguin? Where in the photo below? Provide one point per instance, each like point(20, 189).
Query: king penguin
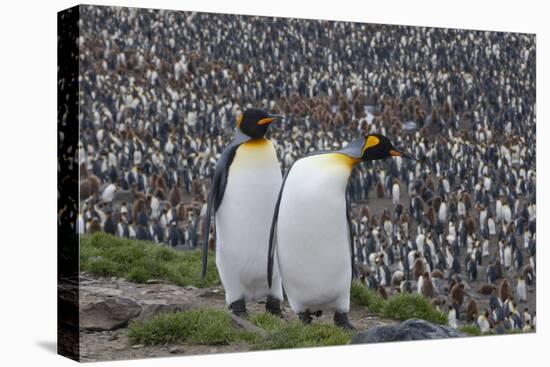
point(243, 194)
point(311, 236)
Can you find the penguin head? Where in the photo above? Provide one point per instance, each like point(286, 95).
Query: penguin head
point(254, 122)
point(373, 147)
point(376, 146)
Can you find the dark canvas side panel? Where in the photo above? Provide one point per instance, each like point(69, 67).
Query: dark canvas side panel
point(67, 183)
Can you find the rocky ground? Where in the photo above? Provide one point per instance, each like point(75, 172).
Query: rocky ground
point(107, 305)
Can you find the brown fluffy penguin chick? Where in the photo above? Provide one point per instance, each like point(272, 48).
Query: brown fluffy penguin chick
point(471, 310)
point(83, 171)
point(174, 197)
point(504, 290)
point(85, 189)
point(365, 212)
point(182, 211)
point(161, 184)
point(153, 181)
point(438, 301)
point(138, 195)
point(418, 269)
point(380, 190)
point(470, 226)
point(94, 227)
point(159, 193)
point(95, 184)
point(486, 289)
point(457, 294)
point(427, 288)
point(430, 214)
point(382, 292)
point(139, 205)
point(436, 273)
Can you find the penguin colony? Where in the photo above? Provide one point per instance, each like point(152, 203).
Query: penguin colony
point(156, 117)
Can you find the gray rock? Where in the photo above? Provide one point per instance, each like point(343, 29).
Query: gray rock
point(176, 350)
point(413, 329)
point(157, 281)
point(108, 314)
point(112, 337)
point(247, 325)
point(101, 292)
point(212, 293)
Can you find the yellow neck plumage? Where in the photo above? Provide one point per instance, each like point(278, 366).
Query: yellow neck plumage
point(336, 160)
point(342, 159)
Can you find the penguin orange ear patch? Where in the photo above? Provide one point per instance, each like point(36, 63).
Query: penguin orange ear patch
point(239, 120)
point(370, 142)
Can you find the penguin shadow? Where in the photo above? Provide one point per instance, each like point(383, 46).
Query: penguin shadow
point(48, 345)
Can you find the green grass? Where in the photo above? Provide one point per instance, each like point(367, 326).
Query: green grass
point(401, 306)
point(138, 261)
point(362, 296)
point(470, 330)
point(295, 335)
point(267, 321)
point(404, 306)
point(215, 327)
point(473, 330)
point(198, 326)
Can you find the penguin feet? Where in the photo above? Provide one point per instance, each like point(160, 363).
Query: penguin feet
point(341, 320)
point(238, 308)
point(305, 317)
point(273, 306)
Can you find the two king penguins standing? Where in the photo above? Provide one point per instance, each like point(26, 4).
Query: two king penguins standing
point(259, 215)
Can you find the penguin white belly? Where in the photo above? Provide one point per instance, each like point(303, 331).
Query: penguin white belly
point(395, 194)
point(312, 235)
point(521, 291)
point(243, 223)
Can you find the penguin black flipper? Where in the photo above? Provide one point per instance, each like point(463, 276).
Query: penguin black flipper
point(271, 251)
point(350, 230)
point(217, 189)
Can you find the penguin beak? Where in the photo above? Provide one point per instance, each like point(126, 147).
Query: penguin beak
point(269, 119)
point(398, 153)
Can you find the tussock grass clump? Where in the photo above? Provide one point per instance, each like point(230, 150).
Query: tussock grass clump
point(404, 306)
point(363, 296)
point(215, 327)
point(296, 335)
point(267, 321)
point(470, 330)
point(401, 306)
point(473, 330)
point(138, 261)
point(198, 326)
